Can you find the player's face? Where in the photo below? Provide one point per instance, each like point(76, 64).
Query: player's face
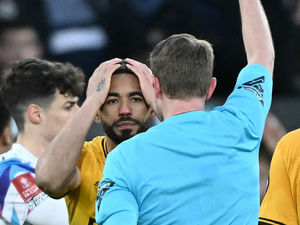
point(125, 112)
point(58, 114)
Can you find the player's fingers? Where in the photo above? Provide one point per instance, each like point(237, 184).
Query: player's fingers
point(135, 63)
point(135, 69)
point(112, 69)
point(143, 67)
point(113, 61)
point(131, 61)
point(144, 72)
point(108, 63)
point(106, 68)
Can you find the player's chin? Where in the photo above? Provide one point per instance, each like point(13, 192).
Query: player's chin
point(131, 132)
point(126, 132)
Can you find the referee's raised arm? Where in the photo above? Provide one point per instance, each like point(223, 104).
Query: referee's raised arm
point(256, 34)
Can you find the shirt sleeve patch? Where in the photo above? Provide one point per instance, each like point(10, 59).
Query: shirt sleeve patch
point(28, 190)
point(101, 191)
point(255, 87)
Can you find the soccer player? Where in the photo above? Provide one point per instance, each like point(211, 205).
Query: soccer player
point(281, 202)
point(71, 167)
point(195, 167)
point(42, 96)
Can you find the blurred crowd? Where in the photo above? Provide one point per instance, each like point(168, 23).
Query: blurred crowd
point(87, 32)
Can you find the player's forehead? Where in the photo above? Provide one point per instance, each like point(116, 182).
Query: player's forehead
point(124, 83)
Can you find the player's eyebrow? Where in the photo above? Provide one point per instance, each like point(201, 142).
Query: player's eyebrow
point(135, 93)
point(114, 94)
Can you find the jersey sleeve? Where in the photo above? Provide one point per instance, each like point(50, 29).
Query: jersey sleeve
point(252, 96)
point(279, 205)
point(18, 191)
point(21, 201)
point(115, 203)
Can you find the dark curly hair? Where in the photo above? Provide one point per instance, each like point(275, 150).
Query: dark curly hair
point(35, 81)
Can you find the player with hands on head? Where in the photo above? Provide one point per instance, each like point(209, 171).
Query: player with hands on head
point(71, 167)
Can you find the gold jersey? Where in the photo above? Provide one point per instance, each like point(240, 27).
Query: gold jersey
point(281, 204)
point(81, 201)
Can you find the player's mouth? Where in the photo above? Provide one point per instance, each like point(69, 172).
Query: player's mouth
point(125, 125)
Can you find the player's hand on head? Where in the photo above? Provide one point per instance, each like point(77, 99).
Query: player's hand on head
point(99, 82)
point(146, 80)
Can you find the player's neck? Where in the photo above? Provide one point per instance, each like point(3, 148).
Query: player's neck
point(33, 143)
point(110, 145)
point(172, 107)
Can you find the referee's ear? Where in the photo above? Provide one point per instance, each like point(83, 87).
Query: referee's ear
point(157, 88)
point(210, 91)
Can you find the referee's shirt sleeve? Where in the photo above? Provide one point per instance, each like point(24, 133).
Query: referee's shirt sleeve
point(252, 96)
point(115, 203)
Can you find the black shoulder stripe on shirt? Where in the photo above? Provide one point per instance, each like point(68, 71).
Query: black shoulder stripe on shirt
point(265, 221)
point(104, 147)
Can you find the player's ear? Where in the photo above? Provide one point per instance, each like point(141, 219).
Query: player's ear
point(98, 117)
point(213, 84)
point(34, 113)
point(152, 113)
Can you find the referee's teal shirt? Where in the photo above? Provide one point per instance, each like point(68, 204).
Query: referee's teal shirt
point(196, 168)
